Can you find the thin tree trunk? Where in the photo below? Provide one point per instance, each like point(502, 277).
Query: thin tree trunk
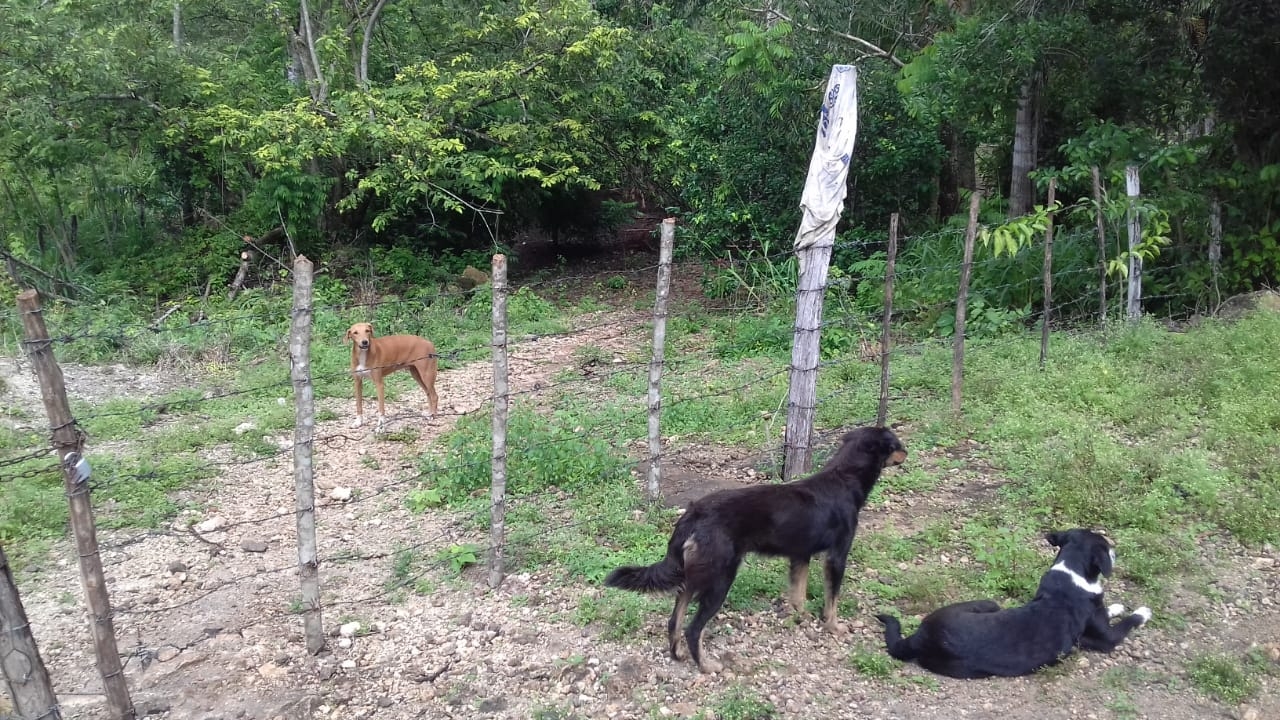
point(1025, 140)
point(362, 70)
point(177, 25)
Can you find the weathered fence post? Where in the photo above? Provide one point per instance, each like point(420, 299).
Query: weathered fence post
point(304, 429)
point(1048, 275)
point(962, 303)
point(886, 335)
point(24, 671)
point(1102, 246)
point(68, 441)
point(501, 401)
point(1132, 188)
point(822, 202)
point(1215, 248)
point(654, 486)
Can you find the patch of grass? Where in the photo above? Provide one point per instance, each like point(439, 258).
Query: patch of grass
point(621, 615)
point(742, 703)
point(872, 663)
point(1226, 678)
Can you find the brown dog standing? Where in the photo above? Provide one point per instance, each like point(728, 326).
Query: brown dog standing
point(378, 357)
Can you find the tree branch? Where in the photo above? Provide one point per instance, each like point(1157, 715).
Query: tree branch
point(362, 72)
point(870, 49)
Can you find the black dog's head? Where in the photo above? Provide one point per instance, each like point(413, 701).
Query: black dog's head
point(1086, 552)
point(879, 444)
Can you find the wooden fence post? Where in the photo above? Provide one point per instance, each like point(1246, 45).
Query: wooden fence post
point(501, 402)
point(1133, 189)
point(1048, 275)
point(886, 336)
point(1215, 249)
point(962, 303)
point(304, 429)
point(68, 441)
point(821, 204)
point(1102, 246)
point(654, 486)
point(24, 671)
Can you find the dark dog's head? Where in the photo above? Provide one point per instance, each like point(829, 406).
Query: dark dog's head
point(879, 443)
point(1086, 552)
point(361, 334)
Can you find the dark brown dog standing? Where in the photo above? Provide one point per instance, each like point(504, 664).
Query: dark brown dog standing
point(378, 357)
point(794, 520)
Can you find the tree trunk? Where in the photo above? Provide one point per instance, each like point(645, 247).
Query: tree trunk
point(1026, 136)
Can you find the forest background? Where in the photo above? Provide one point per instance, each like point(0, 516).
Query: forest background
point(145, 142)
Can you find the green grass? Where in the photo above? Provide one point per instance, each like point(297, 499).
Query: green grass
point(742, 703)
point(1227, 678)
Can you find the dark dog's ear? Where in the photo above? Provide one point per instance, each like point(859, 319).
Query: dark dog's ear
point(1101, 560)
point(1056, 539)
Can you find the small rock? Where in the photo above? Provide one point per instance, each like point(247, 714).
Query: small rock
point(177, 566)
point(243, 428)
point(271, 671)
point(253, 546)
point(349, 629)
point(348, 664)
point(211, 525)
point(1249, 714)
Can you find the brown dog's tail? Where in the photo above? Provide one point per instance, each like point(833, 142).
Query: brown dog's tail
point(662, 576)
point(901, 648)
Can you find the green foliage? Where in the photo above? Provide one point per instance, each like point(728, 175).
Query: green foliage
point(873, 663)
point(741, 703)
point(1228, 679)
point(541, 455)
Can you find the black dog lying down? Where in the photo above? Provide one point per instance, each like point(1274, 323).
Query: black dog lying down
point(978, 639)
point(794, 520)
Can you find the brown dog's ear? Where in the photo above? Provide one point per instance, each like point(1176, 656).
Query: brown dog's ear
point(347, 340)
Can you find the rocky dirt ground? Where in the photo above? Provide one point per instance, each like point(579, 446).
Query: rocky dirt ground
point(207, 628)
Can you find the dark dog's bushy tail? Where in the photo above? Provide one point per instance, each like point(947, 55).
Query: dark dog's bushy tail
point(898, 647)
point(662, 576)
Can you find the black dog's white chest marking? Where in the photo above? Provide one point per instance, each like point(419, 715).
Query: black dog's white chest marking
point(1093, 588)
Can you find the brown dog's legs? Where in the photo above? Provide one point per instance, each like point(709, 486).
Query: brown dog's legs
point(381, 384)
point(426, 377)
point(799, 583)
point(359, 402)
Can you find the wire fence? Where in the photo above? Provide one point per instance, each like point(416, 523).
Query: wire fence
point(225, 565)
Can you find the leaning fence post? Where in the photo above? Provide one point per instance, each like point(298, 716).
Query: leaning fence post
point(1102, 247)
point(1132, 188)
point(654, 487)
point(304, 429)
point(501, 400)
point(24, 671)
point(962, 303)
point(822, 202)
point(68, 441)
point(1048, 276)
point(886, 335)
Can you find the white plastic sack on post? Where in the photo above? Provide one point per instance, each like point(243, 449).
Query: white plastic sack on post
point(825, 187)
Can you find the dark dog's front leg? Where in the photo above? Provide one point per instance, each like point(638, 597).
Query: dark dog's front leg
point(799, 583)
point(673, 624)
point(1101, 636)
point(837, 557)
